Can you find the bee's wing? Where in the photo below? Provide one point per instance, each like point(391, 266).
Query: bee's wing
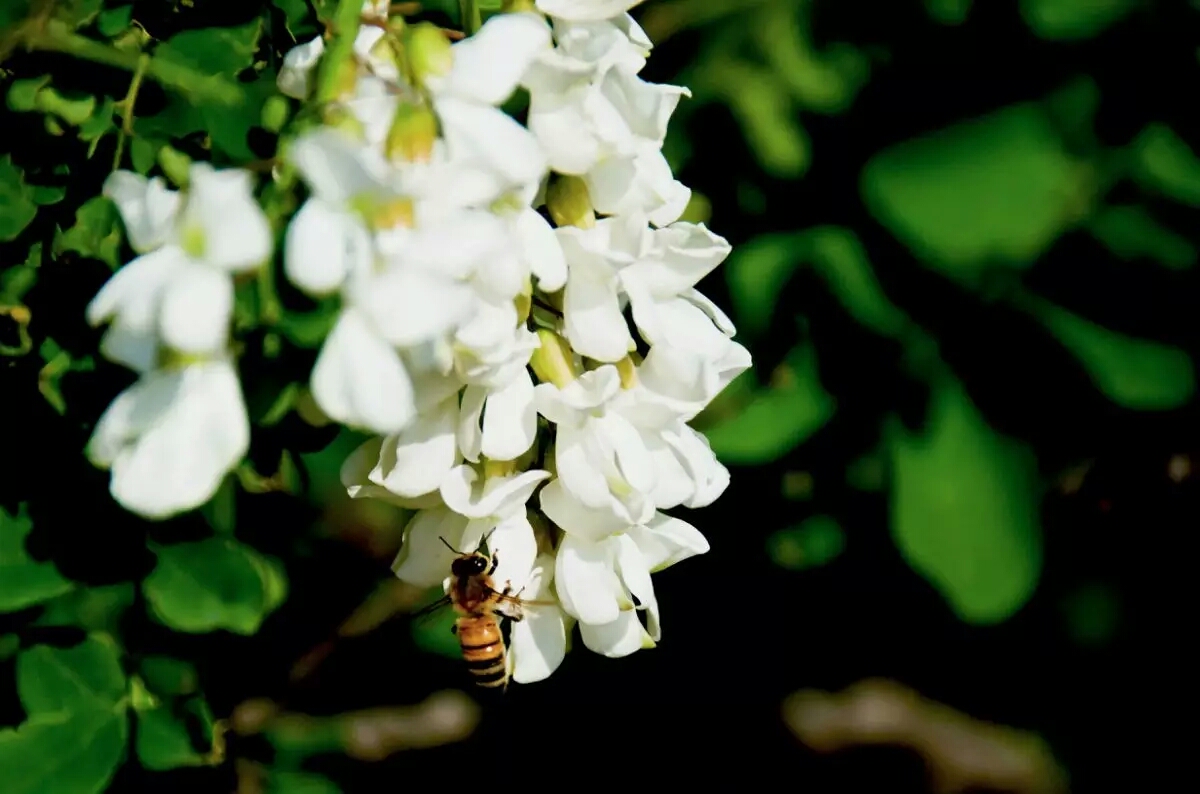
point(429, 609)
point(518, 601)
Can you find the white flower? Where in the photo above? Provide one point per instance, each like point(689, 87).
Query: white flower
point(296, 71)
point(598, 573)
point(602, 459)
point(653, 268)
point(538, 643)
point(585, 10)
point(684, 379)
point(180, 293)
point(172, 437)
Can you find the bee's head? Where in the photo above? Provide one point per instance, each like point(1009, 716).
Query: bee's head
point(472, 564)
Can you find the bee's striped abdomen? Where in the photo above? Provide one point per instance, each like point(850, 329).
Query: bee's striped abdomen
point(483, 650)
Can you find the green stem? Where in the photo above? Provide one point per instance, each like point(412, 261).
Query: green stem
point(57, 37)
point(345, 30)
point(127, 109)
point(472, 20)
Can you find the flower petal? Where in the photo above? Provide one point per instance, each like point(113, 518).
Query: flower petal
point(296, 71)
point(196, 308)
point(135, 290)
point(514, 548)
point(323, 244)
point(495, 497)
point(407, 306)
point(541, 249)
point(356, 468)
point(414, 461)
point(539, 642)
point(237, 233)
point(665, 541)
point(133, 412)
point(593, 323)
point(492, 139)
point(585, 10)
point(510, 421)
point(632, 568)
point(424, 560)
point(617, 638)
point(179, 462)
point(574, 518)
point(470, 437)
point(587, 585)
point(488, 65)
point(147, 206)
point(360, 381)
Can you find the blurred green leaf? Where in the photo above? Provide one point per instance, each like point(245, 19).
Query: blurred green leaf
point(17, 209)
point(1130, 232)
point(814, 542)
point(72, 111)
point(164, 742)
point(92, 608)
point(964, 509)
point(840, 259)
point(114, 21)
point(74, 738)
point(756, 272)
point(777, 419)
point(1133, 373)
point(213, 584)
point(993, 190)
point(1072, 19)
point(9, 645)
point(22, 94)
point(1165, 163)
point(169, 677)
point(824, 82)
point(1092, 613)
point(948, 12)
point(214, 50)
point(96, 233)
point(300, 783)
point(23, 580)
point(299, 19)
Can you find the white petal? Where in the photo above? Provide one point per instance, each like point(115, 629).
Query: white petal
point(574, 518)
point(513, 547)
point(491, 138)
point(295, 74)
point(324, 244)
point(135, 290)
point(178, 463)
point(335, 167)
point(645, 107)
point(674, 484)
point(360, 381)
point(617, 638)
point(583, 10)
point(135, 348)
point(541, 249)
point(424, 560)
point(564, 131)
point(510, 420)
point(196, 308)
point(497, 497)
point(488, 65)
point(594, 324)
point(470, 437)
point(685, 253)
point(407, 306)
point(577, 471)
point(539, 642)
point(356, 468)
point(134, 411)
point(147, 206)
point(587, 584)
point(638, 183)
point(624, 443)
point(632, 568)
point(237, 234)
point(414, 461)
point(710, 477)
point(665, 541)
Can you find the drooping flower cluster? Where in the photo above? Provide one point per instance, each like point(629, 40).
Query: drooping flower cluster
point(485, 268)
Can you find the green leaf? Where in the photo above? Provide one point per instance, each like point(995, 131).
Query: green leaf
point(1071, 19)
point(814, 542)
point(948, 12)
point(164, 742)
point(964, 508)
point(44, 195)
point(825, 82)
point(309, 329)
point(169, 677)
point(1133, 373)
point(87, 676)
point(63, 753)
point(1131, 232)
point(75, 736)
point(1165, 163)
point(22, 94)
point(24, 581)
point(9, 645)
point(114, 21)
point(96, 233)
point(840, 259)
point(72, 111)
point(300, 783)
point(756, 272)
point(433, 634)
point(777, 419)
point(92, 608)
point(226, 125)
point(17, 209)
point(996, 190)
point(214, 51)
point(13, 12)
point(213, 584)
point(299, 19)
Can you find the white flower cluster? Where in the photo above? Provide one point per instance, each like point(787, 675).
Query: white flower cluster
point(486, 347)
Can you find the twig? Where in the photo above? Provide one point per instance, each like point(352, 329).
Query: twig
point(126, 106)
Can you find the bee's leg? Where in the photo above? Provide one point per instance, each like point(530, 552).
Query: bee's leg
point(495, 562)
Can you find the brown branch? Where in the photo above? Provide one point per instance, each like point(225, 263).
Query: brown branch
point(960, 752)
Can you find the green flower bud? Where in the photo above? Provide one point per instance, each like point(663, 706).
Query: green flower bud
point(275, 113)
point(569, 203)
point(554, 362)
point(429, 51)
point(412, 134)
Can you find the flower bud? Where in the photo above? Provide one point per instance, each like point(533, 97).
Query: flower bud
point(498, 468)
point(628, 372)
point(412, 134)
point(346, 79)
point(524, 302)
point(554, 362)
point(516, 6)
point(569, 204)
point(274, 114)
point(429, 51)
point(339, 118)
point(175, 164)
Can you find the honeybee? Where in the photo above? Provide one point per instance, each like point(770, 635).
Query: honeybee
point(481, 607)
